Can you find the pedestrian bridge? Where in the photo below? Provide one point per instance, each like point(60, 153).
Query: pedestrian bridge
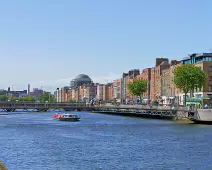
point(12, 106)
point(159, 112)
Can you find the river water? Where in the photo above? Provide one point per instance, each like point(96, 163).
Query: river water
point(36, 141)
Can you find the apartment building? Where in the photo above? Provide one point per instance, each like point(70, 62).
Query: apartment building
point(99, 94)
point(90, 91)
point(117, 90)
point(156, 72)
point(165, 86)
point(125, 80)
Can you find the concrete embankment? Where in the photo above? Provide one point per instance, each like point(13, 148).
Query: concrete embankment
point(152, 115)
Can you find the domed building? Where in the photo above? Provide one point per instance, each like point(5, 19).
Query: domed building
point(80, 80)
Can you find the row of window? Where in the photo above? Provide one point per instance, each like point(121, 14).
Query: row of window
point(196, 60)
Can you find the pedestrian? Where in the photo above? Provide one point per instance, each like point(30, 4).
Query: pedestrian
point(206, 106)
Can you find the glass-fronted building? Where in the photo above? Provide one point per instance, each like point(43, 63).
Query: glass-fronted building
point(197, 58)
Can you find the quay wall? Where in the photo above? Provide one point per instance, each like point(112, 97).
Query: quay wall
point(153, 114)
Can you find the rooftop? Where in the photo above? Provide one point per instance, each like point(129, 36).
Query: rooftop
point(164, 63)
point(82, 77)
point(196, 55)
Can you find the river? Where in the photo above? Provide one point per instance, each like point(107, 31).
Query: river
point(36, 141)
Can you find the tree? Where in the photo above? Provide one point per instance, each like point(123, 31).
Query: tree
point(46, 97)
point(28, 98)
point(189, 77)
point(3, 98)
point(138, 87)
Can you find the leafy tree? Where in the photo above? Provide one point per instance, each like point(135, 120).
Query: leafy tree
point(138, 87)
point(189, 77)
point(28, 98)
point(46, 97)
point(3, 98)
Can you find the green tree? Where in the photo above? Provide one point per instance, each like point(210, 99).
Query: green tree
point(138, 87)
point(46, 97)
point(189, 77)
point(3, 98)
point(28, 98)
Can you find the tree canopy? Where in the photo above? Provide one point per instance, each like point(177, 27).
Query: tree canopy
point(189, 77)
point(28, 98)
point(46, 97)
point(138, 87)
point(3, 98)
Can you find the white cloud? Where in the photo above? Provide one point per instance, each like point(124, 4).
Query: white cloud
point(106, 79)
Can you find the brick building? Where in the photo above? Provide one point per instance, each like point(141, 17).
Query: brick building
point(156, 72)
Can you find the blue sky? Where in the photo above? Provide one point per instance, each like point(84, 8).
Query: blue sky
point(48, 42)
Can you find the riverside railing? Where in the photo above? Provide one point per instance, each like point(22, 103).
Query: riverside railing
point(22, 105)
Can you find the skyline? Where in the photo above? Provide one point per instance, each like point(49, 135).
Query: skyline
point(48, 43)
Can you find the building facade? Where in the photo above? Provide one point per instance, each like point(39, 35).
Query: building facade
point(204, 61)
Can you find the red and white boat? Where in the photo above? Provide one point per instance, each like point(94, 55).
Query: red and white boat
point(66, 117)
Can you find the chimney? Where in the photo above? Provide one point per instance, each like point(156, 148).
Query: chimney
point(28, 89)
point(160, 60)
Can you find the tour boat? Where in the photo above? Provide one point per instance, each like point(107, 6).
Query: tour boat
point(66, 117)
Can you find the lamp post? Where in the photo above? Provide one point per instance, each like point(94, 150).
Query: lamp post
point(49, 97)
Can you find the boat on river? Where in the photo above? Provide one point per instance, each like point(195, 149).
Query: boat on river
point(66, 117)
point(202, 116)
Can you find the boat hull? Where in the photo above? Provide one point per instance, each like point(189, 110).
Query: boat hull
point(69, 119)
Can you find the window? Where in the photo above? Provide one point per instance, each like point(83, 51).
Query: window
point(210, 68)
point(210, 88)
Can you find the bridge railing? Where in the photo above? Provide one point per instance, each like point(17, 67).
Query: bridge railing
point(144, 107)
point(39, 105)
point(22, 105)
